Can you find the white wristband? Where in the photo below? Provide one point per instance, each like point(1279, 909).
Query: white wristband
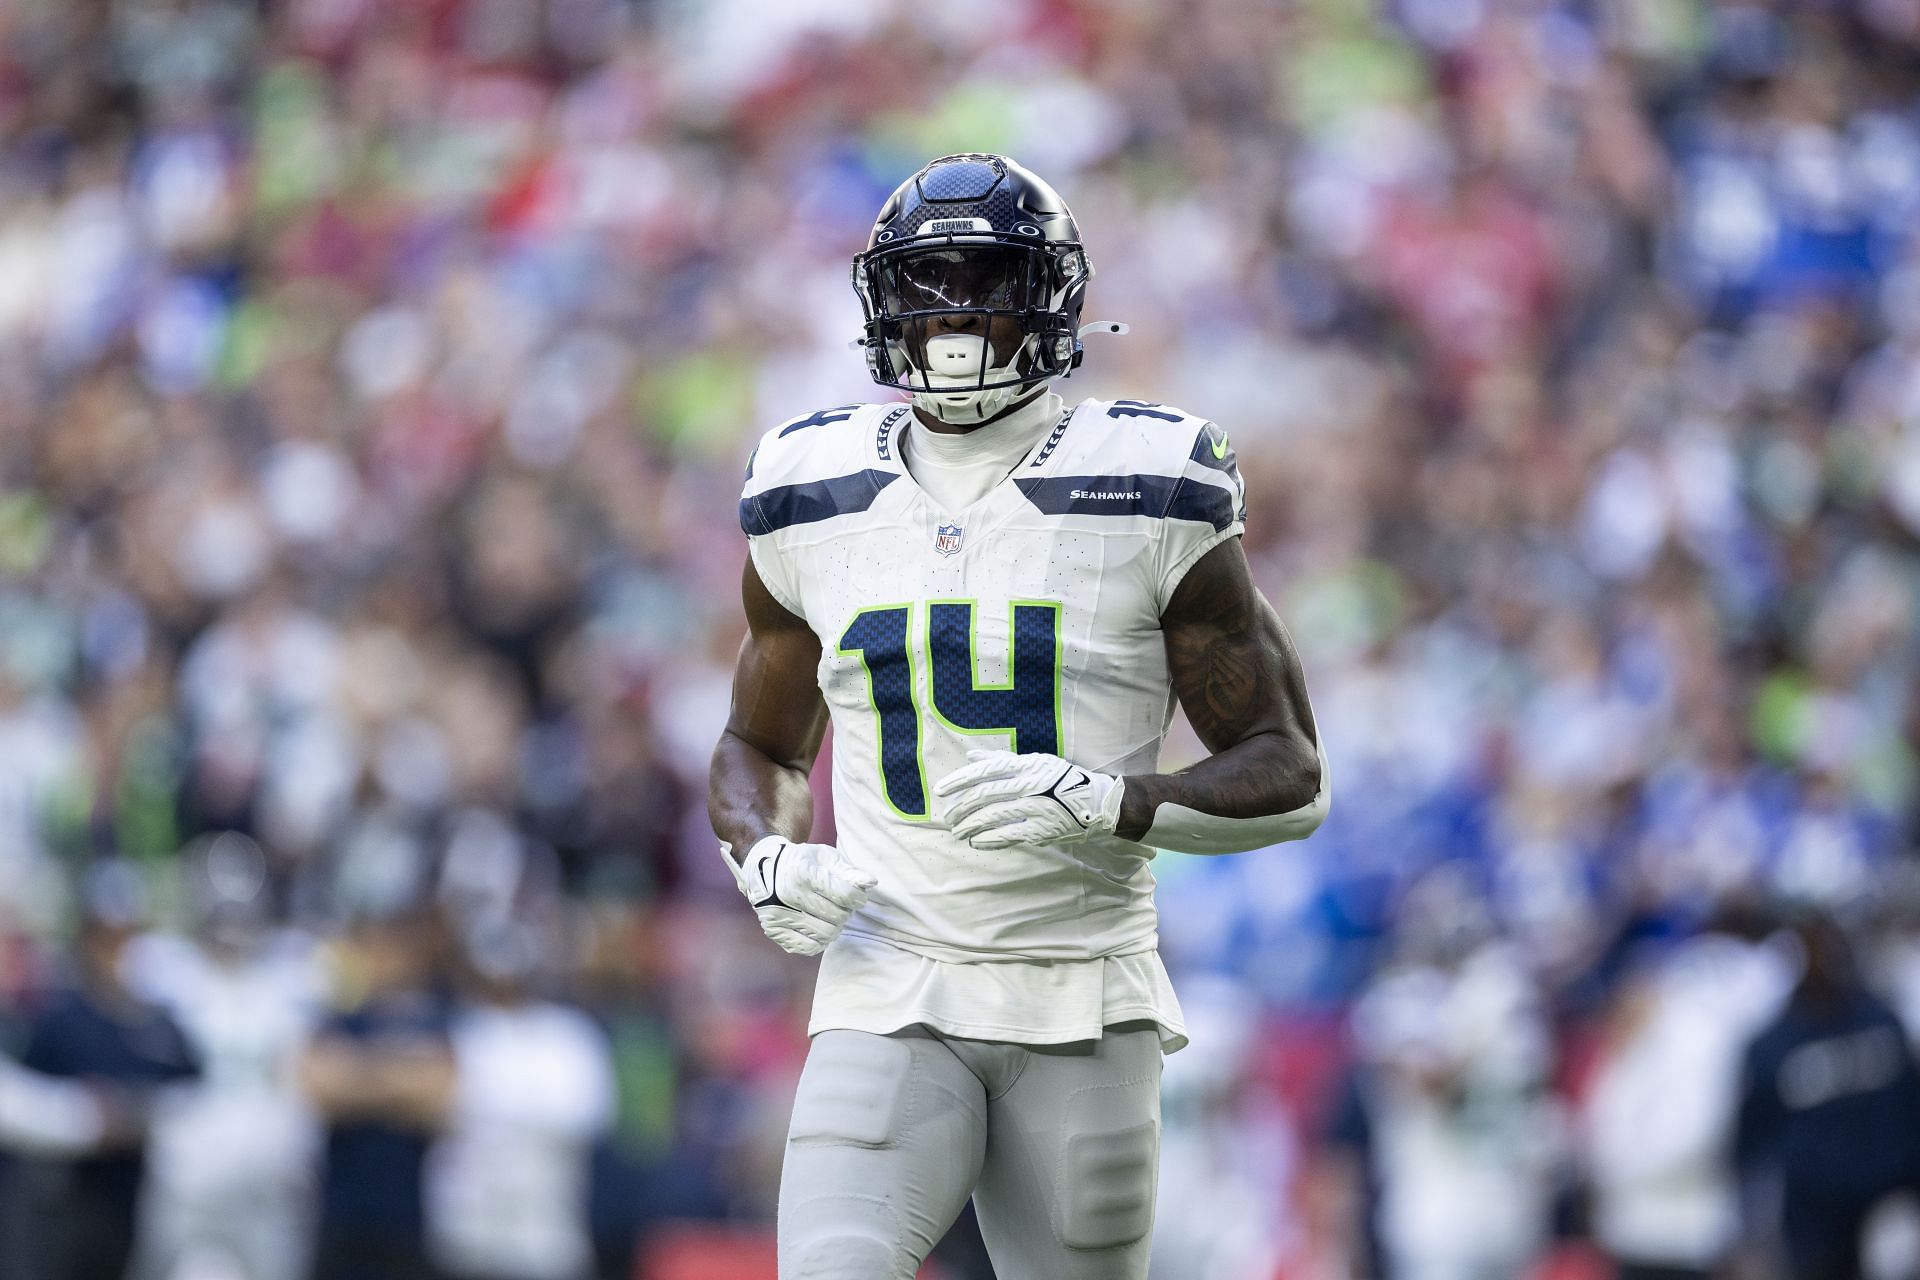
point(1185, 830)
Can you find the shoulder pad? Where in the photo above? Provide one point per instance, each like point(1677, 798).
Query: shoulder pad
point(1137, 435)
point(812, 446)
point(1176, 467)
point(1131, 458)
point(815, 466)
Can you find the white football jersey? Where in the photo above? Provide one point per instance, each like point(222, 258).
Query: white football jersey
point(1030, 620)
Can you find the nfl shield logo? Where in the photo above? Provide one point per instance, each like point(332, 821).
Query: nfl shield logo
point(946, 539)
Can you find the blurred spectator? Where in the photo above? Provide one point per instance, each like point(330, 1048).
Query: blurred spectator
point(1226, 1150)
point(97, 1029)
point(507, 1179)
point(46, 1116)
point(233, 1160)
point(1463, 1133)
point(1829, 1118)
point(381, 1072)
point(643, 1169)
point(1658, 1122)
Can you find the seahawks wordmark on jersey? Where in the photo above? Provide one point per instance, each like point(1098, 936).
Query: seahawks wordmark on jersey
point(1029, 620)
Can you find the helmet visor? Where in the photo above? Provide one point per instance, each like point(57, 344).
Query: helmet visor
point(950, 278)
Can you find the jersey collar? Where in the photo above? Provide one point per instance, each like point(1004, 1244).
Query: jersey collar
point(883, 441)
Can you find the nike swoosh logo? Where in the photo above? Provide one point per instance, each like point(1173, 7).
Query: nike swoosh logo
point(1058, 792)
point(1219, 446)
point(763, 878)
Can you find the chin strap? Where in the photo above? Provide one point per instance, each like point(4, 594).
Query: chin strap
point(977, 410)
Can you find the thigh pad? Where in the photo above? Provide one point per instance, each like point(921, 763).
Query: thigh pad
point(1107, 1168)
point(856, 1091)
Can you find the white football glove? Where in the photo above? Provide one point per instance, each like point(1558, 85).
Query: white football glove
point(999, 800)
point(803, 893)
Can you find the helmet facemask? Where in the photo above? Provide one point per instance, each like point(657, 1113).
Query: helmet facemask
point(968, 324)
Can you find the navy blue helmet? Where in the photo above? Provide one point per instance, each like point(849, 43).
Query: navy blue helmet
point(971, 236)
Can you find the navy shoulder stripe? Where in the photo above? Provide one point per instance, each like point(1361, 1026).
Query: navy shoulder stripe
point(1204, 502)
point(1156, 497)
point(789, 504)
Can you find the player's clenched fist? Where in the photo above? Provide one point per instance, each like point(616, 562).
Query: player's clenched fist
point(803, 893)
point(999, 800)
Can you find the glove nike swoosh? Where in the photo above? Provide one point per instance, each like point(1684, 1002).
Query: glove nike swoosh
point(764, 874)
point(1058, 791)
point(1000, 799)
point(822, 889)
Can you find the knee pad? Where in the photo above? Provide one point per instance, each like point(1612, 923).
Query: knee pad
point(830, 1242)
point(854, 1090)
point(1108, 1173)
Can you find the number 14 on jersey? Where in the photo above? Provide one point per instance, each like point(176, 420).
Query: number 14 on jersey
point(1026, 705)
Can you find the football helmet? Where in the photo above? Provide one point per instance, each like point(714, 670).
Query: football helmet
point(970, 246)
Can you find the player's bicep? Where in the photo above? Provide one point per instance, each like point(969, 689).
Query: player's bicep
point(777, 707)
point(1232, 663)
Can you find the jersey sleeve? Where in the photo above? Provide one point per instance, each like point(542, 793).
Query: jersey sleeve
point(1208, 506)
point(775, 571)
point(805, 470)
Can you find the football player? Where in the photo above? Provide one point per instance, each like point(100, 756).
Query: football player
point(994, 597)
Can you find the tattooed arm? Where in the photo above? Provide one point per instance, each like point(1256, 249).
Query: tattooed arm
point(1235, 672)
point(1238, 678)
point(758, 784)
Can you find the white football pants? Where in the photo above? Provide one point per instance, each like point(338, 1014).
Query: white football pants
point(1057, 1144)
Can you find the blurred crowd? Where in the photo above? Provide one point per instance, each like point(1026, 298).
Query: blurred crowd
point(375, 378)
